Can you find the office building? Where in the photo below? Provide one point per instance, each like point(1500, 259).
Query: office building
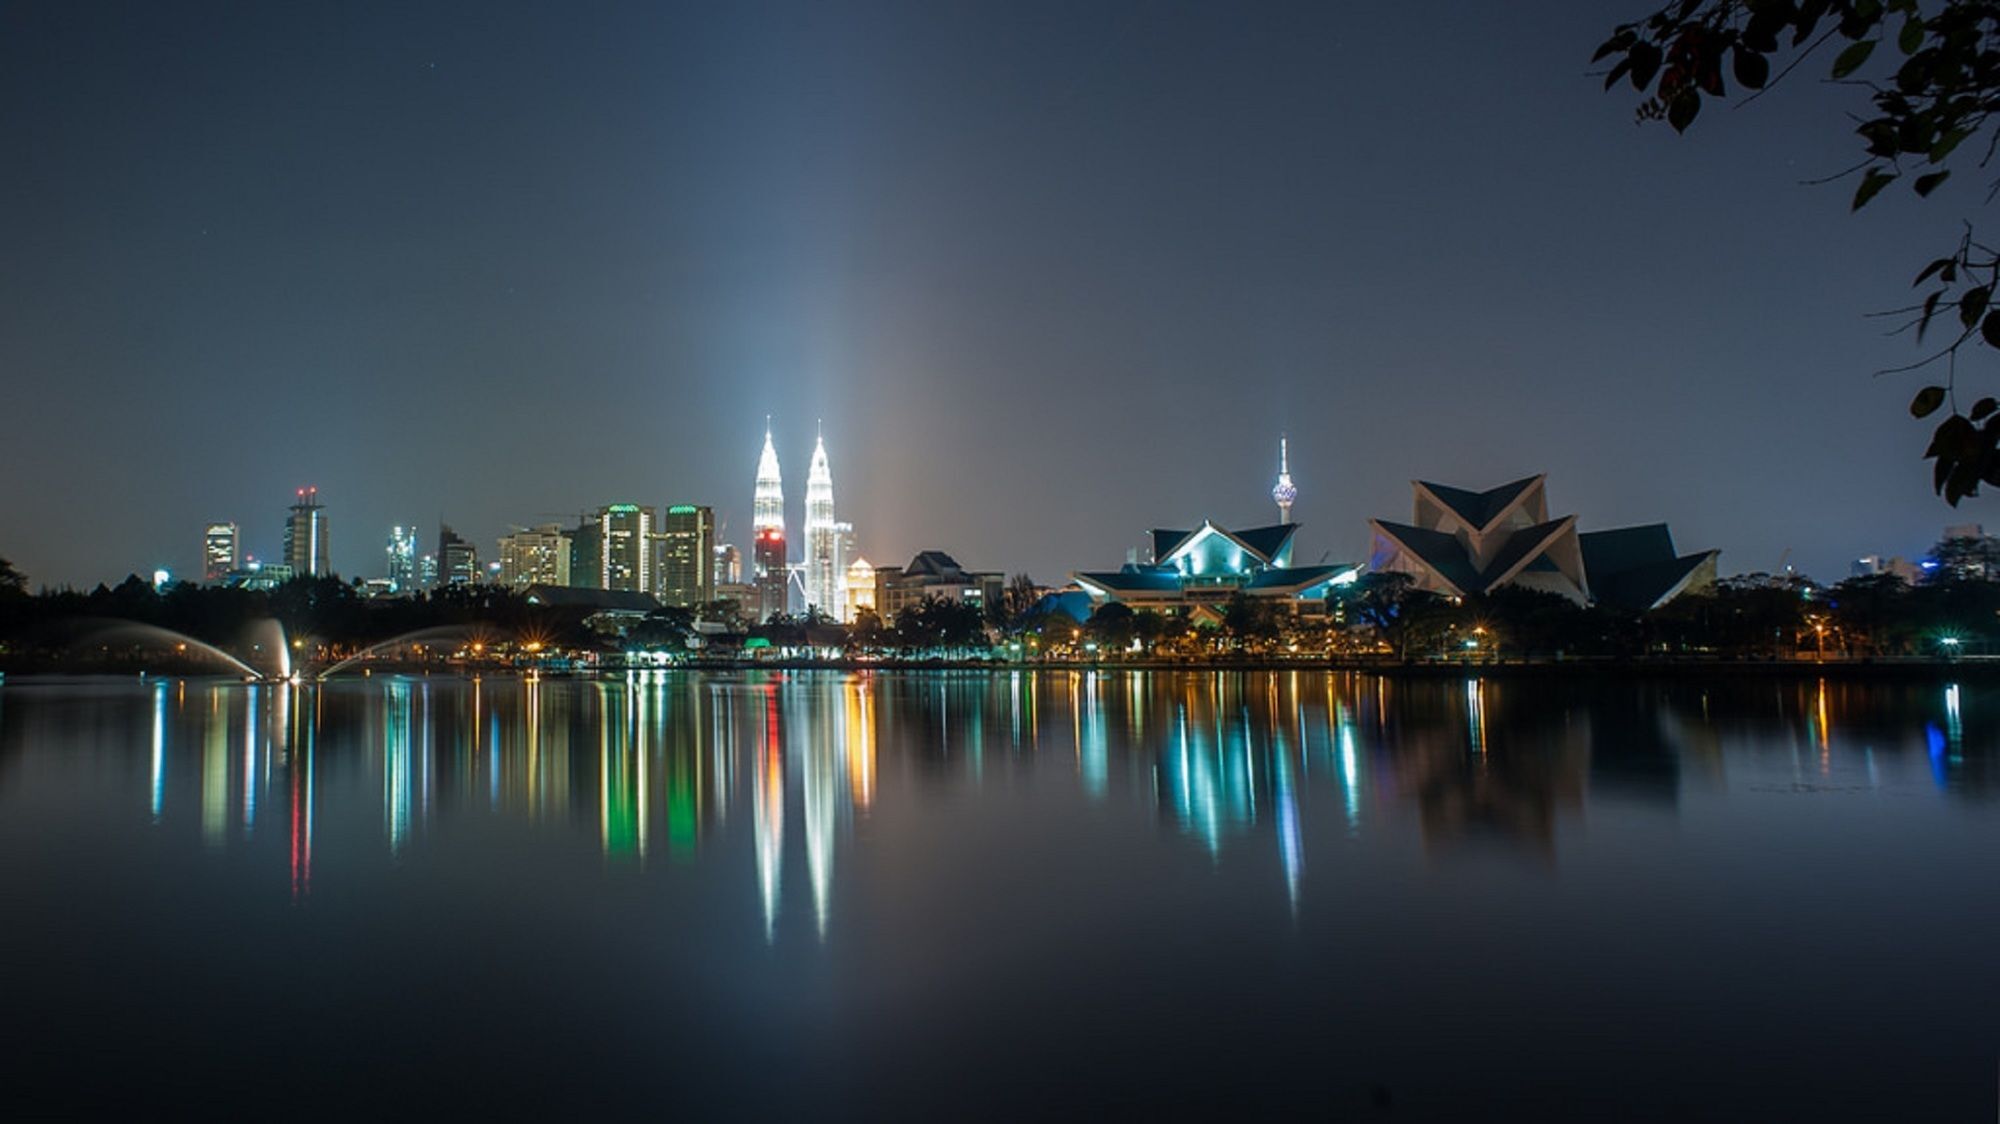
point(221, 551)
point(686, 556)
point(625, 548)
point(768, 555)
point(402, 552)
point(825, 569)
point(728, 565)
point(458, 562)
point(535, 556)
point(305, 536)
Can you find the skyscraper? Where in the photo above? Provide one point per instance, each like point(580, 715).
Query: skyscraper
point(402, 559)
point(220, 552)
point(458, 562)
point(625, 548)
point(535, 556)
point(825, 576)
point(728, 564)
point(687, 555)
point(768, 524)
point(305, 536)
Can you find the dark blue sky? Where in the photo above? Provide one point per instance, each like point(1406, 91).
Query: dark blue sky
point(1052, 274)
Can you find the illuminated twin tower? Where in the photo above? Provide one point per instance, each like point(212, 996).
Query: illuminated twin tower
point(823, 574)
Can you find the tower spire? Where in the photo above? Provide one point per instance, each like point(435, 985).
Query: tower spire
point(1284, 492)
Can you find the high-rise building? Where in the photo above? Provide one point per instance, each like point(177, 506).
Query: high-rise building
point(458, 562)
point(586, 551)
point(825, 571)
point(220, 552)
point(305, 536)
point(686, 557)
point(625, 548)
point(728, 565)
point(768, 524)
point(427, 571)
point(535, 556)
point(402, 559)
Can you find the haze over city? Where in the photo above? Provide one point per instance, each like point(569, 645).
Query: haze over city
point(1049, 274)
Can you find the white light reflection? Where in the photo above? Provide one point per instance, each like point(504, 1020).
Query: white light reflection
point(159, 747)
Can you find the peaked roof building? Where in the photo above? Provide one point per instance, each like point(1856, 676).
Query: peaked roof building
point(1461, 543)
point(1211, 564)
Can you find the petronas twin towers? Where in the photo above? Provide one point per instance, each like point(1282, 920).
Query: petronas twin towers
point(823, 574)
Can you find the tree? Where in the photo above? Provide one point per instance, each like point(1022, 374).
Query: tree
point(1020, 595)
point(1964, 558)
point(13, 583)
point(1113, 625)
point(1942, 90)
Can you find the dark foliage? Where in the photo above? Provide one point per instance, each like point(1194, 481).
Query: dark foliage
point(1931, 72)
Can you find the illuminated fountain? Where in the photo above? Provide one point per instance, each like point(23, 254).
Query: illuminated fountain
point(165, 640)
point(267, 639)
point(422, 637)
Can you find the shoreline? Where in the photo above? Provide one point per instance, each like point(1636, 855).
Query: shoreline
point(1886, 670)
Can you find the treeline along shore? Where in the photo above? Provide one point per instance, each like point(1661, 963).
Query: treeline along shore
point(1877, 625)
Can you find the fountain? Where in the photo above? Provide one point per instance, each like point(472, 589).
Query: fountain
point(267, 637)
point(104, 632)
point(438, 632)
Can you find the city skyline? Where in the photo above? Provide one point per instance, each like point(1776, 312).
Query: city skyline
point(1007, 280)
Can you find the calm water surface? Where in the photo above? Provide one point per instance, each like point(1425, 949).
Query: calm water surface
point(993, 894)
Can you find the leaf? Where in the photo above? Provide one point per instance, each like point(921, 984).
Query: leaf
point(1946, 143)
point(1927, 401)
point(1850, 60)
point(1912, 36)
point(1645, 60)
point(1617, 72)
point(1871, 186)
point(1681, 112)
point(1929, 183)
point(1930, 309)
point(1982, 408)
point(1972, 305)
point(1930, 269)
point(1989, 329)
point(1752, 69)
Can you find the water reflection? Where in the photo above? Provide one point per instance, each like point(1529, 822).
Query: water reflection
point(1292, 767)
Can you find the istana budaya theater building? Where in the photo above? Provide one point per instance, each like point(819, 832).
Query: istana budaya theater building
point(1461, 543)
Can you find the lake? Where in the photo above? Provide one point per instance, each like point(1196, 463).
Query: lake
point(1000, 894)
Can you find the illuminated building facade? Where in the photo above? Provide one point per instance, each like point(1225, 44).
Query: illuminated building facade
point(1461, 543)
point(767, 552)
point(933, 573)
point(458, 562)
point(221, 551)
point(535, 556)
point(625, 548)
point(402, 553)
point(728, 565)
point(305, 535)
point(686, 557)
point(1198, 570)
point(825, 569)
point(860, 589)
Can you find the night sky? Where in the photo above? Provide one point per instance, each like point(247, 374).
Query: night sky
point(1051, 274)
